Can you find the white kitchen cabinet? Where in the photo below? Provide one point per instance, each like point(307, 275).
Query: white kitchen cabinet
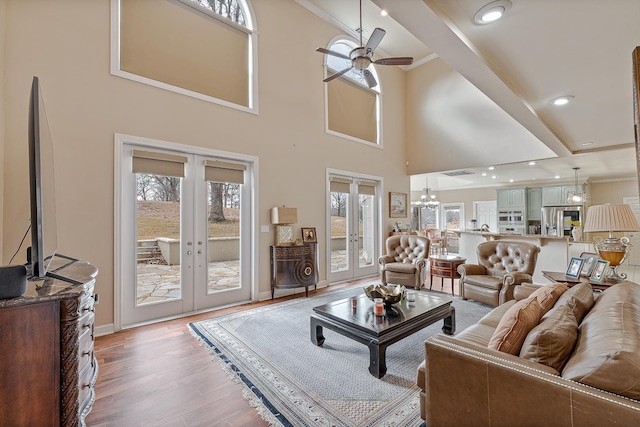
point(534, 204)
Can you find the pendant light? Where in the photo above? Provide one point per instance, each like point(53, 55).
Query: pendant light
point(577, 196)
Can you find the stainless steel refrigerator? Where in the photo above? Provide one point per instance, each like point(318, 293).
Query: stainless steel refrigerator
point(558, 220)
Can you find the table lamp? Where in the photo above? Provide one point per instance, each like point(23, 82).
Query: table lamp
point(611, 218)
point(282, 218)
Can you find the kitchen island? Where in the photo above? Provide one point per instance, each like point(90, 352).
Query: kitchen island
point(553, 256)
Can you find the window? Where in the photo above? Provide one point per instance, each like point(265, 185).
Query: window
point(452, 216)
point(353, 109)
point(200, 48)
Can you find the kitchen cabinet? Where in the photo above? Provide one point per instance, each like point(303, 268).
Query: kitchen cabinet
point(534, 204)
point(511, 198)
point(557, 195)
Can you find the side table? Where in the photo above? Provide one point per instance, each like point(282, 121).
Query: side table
point(557, 276)
point(445, 267)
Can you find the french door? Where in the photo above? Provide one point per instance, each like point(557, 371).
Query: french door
point(354, 227)
point(186, 234)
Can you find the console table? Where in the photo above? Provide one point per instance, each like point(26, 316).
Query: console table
point(47, 366)
point(293, 267)
point(558, 276)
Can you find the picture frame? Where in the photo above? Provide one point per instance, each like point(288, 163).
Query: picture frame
point(309, 235)
point(397, 205)
point(598, 271)
point(575, 265)
point(589, 263)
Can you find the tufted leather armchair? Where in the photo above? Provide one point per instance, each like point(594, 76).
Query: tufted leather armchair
point(406, 260)
point(502, 265)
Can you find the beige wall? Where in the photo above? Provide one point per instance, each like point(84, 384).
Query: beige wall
point(612, 192)
point(66, 43)
point(3, 26)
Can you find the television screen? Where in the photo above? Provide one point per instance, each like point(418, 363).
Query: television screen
point(44, 238)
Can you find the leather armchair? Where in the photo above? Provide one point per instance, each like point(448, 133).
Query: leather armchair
point(406, 260)
point(502, 265)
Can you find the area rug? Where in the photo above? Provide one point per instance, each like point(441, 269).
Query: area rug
point(292, 382)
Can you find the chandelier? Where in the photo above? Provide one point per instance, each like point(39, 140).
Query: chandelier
point(429, 200)
point(576, 196)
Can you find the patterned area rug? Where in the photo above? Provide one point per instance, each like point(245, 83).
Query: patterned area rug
point(292, 382)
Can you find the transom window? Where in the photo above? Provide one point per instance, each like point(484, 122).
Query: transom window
point(230, 9)
point(353, 109)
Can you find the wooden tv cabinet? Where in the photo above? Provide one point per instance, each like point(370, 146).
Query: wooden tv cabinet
point(47, 367)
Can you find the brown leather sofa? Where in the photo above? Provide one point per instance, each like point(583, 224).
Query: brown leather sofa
point(466, 383)
point(502, 264)
point(406, 260)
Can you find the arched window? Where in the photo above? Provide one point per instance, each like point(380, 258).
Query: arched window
point(201, 48)
point(353, 109)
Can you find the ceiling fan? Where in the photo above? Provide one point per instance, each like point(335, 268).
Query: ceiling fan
point(361, 57)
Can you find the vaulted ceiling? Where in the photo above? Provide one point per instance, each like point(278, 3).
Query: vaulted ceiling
point(538, 51)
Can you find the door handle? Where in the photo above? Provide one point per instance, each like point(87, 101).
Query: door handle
point(189, 252)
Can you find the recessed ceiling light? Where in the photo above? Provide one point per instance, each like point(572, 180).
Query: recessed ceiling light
point(491, 168)
point(588, 143)
point(561, 100)
point(557, 177)
point(492, 12)
point(484, 174)
point(511, 180)
point(532, 163)
point(493, 177)
point(383, 12)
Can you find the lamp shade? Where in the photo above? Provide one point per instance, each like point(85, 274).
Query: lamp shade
point(610, 218)
point(283, 215)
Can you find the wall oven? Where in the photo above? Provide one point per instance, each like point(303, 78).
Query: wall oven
point(510, 218)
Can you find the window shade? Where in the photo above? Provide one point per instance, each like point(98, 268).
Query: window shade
point(158, 163)
point(367, 188)
point(217, 171)
point(180, 46)
point(340, 185)
point(352, 110)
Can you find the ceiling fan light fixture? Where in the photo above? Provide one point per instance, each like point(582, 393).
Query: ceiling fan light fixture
point(492, 12)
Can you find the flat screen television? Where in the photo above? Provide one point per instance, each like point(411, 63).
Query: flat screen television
point(44, 239)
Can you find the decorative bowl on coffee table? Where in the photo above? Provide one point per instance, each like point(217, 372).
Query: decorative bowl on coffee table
point(389, 295)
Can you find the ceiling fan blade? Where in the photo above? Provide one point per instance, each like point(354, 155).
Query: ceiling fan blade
point(333, 53)
point(402, 60)
point(336, 75)
point(368, 76)
point(374, 40)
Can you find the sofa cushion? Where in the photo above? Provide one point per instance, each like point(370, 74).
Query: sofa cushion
point(549, 294)
point(607, 354)
point(515, 325)
point(478, 334)
point(553, 339)
point(484, 280)
point(580, 298)
point(401, 267)
point(493, 317)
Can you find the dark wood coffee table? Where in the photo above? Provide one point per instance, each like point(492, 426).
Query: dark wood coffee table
point(378, 332)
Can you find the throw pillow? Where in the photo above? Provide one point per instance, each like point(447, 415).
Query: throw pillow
point(579, 298)
point(515, 325)
point(549, 294)
point(551, 342)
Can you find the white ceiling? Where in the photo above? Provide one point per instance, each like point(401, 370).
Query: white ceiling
point(539, 50)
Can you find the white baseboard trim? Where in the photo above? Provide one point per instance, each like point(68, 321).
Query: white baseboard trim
point(107, 329)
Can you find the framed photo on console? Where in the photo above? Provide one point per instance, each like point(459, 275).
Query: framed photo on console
point(589, 263)
point(599, 270)
point(575, 265)
point(309, 235)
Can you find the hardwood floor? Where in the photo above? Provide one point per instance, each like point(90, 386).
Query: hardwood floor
point(159, 375)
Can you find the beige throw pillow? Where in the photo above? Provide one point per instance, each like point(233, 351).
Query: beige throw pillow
point(549, 294)
point(515, 325)
point(579, 298)
point(551, 342)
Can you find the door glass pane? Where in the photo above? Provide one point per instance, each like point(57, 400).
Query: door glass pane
point(158, 239)
point(223, 236)
point(339, 231)
point(366, 224)
point(452, 218)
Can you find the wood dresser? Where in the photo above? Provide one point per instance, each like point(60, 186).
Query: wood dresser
point(47, 367)
point(294, 266)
